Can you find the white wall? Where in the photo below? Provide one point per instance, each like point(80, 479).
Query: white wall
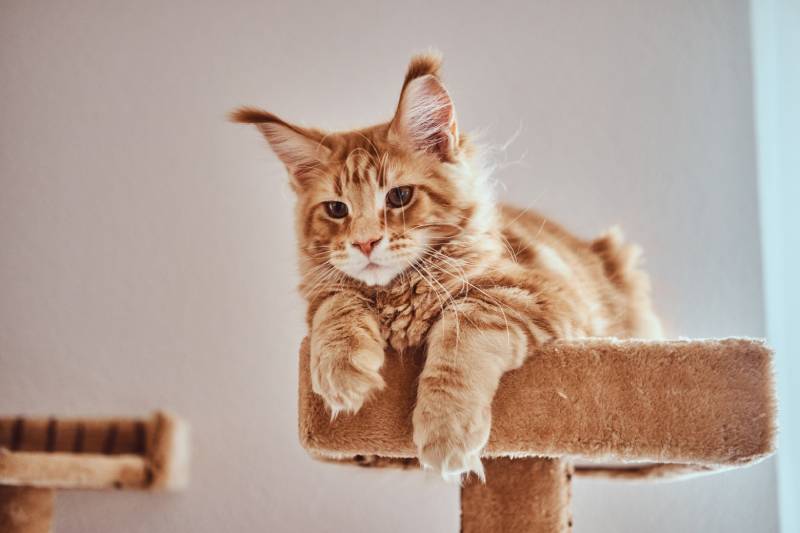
point(147, 251)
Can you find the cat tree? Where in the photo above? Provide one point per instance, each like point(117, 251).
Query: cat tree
point(41, 455)
point(652, 408)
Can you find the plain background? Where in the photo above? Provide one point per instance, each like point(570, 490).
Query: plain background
point(147, 254)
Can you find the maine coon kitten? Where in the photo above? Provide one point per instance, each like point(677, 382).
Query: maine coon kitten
point(401, 244)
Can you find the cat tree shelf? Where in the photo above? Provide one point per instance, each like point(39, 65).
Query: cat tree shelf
point(40, 455)
point(654, 408)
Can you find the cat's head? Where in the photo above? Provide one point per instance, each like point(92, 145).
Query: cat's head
point(376, 201)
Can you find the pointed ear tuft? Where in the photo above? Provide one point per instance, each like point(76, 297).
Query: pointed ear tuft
point(251, 115)
point(301, 149)
point(423, 65)
point(426, 119)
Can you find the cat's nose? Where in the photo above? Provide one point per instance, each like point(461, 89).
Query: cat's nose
point(367, 246)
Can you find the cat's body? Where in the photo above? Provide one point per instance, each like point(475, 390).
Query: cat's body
point(403, 246)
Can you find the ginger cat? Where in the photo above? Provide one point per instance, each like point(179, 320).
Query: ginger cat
point(401, 245)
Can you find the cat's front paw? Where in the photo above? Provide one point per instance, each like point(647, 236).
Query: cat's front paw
point(345, 379)
point(450, 438)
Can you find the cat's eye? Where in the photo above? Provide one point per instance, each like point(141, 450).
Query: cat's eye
point(336, 209)
point(399, 196)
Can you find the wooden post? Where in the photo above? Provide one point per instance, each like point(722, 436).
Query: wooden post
point(26, 510)
point(525, 495)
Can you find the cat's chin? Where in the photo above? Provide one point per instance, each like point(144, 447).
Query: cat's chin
point(376, 275)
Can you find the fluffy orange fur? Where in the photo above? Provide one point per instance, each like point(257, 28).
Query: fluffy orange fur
point(401, 243)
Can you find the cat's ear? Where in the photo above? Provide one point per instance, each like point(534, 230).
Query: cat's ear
point(425, 119)
point(301, 149)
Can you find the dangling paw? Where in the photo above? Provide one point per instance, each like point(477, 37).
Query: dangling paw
point(450, 440)
point(345, 380)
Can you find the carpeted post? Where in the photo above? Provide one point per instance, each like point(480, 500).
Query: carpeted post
point(525, 495)
point(25, 510)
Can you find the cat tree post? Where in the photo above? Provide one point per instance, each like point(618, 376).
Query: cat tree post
point(26, 509)
point(525, 494)
point(40, 455)
point(657, 408)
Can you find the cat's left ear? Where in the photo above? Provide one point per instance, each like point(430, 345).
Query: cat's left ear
point(426, 118)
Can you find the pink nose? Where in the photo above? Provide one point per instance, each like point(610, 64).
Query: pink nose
point(367, 246)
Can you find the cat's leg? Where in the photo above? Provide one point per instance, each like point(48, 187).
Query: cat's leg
point(469, 349)
point(347, 352)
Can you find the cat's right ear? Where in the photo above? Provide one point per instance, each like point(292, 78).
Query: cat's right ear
point(425, 119)
point(301, 149)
